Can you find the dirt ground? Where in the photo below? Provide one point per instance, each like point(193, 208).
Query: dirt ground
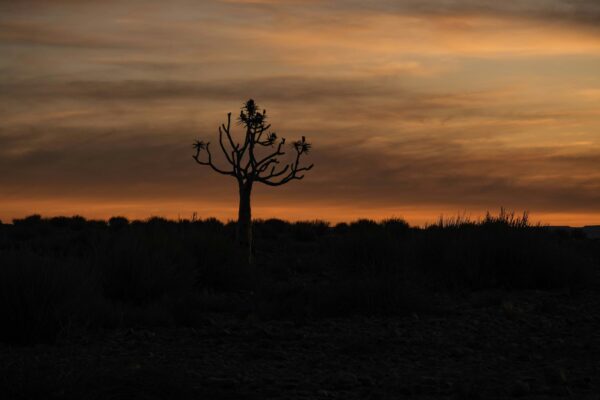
point(532, 345)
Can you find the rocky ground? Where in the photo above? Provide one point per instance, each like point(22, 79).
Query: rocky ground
point(532, 345)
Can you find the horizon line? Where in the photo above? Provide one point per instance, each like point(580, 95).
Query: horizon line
point(194, 218)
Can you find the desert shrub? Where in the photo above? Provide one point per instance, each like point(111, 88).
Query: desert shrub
point(309, 231)
point(270, 229)
point(364, 225)
point(396, 226)
point(365, 248)
point(144, 264)
point(218, 261)
point(76, 222)
point(503, 251)
point(33, 220)
point(118, 223)
point(212, 224)
point(500, 252)
point(230, 228)
point(42, 297)
point(66, 272)
point(138, 270)
point(4, 237)
point(341, 228)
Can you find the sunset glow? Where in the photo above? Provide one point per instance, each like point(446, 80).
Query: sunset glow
point(415, 109)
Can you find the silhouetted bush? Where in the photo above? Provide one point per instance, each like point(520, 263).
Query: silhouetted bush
point(503, 251)
point(67, 273)
point(271, 228)
point(40, 297)
point(396, 226)
point(29, 221)
point(341, 228)
point(309, 231)
point(212, 224)
point(140, 270)
point(117, 223)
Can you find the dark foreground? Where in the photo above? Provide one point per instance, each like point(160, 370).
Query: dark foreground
point(487, 345)
point(158, 309)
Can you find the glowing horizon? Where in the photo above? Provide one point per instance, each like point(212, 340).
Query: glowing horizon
point(416, 109)
point(188, 210)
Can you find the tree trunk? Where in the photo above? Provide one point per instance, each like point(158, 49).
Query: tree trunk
point(244, 224)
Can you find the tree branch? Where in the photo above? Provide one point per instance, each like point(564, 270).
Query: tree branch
point(209, 161)
point(263, 129)
point(223, 148)
point(293, 174)
point(246, 167)
point(278, 152)
point(228, 132)
point(273, 174)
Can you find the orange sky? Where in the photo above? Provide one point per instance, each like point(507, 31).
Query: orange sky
point(414, 108)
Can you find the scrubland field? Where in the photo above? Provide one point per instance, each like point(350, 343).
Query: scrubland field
point(159, 309)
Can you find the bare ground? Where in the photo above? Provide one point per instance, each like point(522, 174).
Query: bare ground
point(492, 345)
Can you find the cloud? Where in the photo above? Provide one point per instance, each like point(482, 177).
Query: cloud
point(431, 103)
point(273, 88)
point(28, 33)
point(585, 12)
point(315, 32)
point(378, 98)
point(434, 172)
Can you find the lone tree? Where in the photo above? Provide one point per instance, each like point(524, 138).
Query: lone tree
point(247, 166)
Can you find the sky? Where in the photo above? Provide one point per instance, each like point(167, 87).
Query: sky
point(415, 108)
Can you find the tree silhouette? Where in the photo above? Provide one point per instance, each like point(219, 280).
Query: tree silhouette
point(248, 166)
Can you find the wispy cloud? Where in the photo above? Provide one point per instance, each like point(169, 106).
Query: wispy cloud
point(439, 104)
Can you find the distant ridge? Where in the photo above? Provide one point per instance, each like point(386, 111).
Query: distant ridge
point(590, 231)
